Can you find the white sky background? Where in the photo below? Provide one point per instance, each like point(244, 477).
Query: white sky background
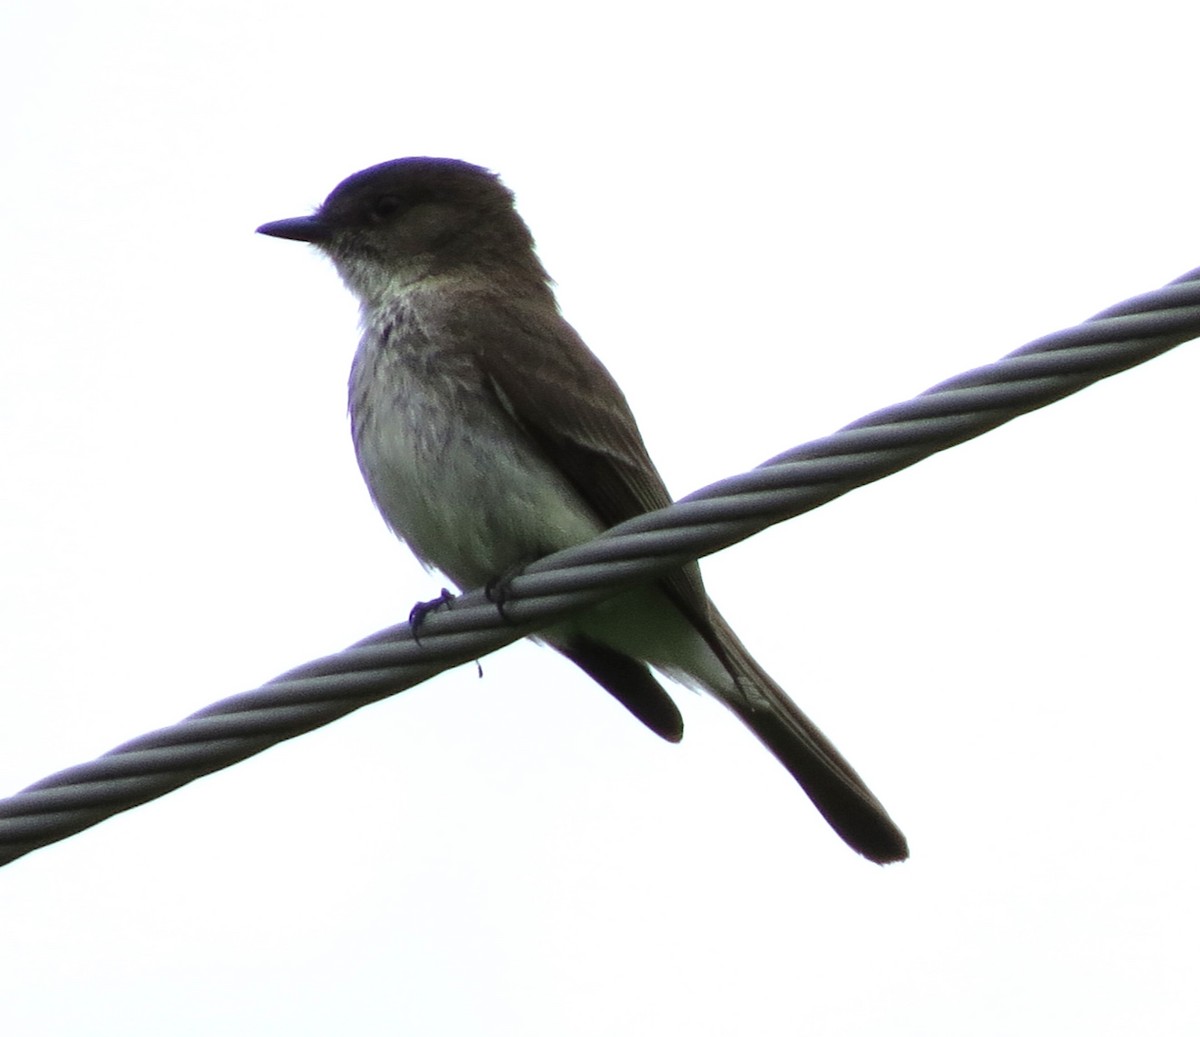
point(768, 220)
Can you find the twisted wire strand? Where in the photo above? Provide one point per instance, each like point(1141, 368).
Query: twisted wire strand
point(799, 480)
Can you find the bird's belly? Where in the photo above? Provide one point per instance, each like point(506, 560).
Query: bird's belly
point(469, 494)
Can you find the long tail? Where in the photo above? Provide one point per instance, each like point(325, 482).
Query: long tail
point(832, 784)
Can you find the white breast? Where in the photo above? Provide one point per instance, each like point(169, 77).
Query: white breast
point(451, 472)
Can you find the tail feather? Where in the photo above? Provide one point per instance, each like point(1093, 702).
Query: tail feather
point(832, 784)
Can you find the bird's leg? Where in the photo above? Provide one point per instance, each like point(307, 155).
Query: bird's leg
point(421, 609)
point(498, 590)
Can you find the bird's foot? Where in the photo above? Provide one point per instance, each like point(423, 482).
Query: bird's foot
point(498, 590)
point(421, 609)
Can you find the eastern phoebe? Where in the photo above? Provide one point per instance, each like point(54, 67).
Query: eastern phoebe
point(489, 435)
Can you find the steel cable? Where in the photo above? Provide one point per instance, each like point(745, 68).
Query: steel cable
point(799, 480)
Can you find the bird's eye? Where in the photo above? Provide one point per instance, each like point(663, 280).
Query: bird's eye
point(385, 206)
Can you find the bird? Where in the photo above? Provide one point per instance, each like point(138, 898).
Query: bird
point(489, 435)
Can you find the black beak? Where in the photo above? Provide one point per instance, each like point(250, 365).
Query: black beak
point(299, 228)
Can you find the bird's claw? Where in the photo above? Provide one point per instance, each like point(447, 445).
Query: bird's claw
point(421, 609)
point(498, 591)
